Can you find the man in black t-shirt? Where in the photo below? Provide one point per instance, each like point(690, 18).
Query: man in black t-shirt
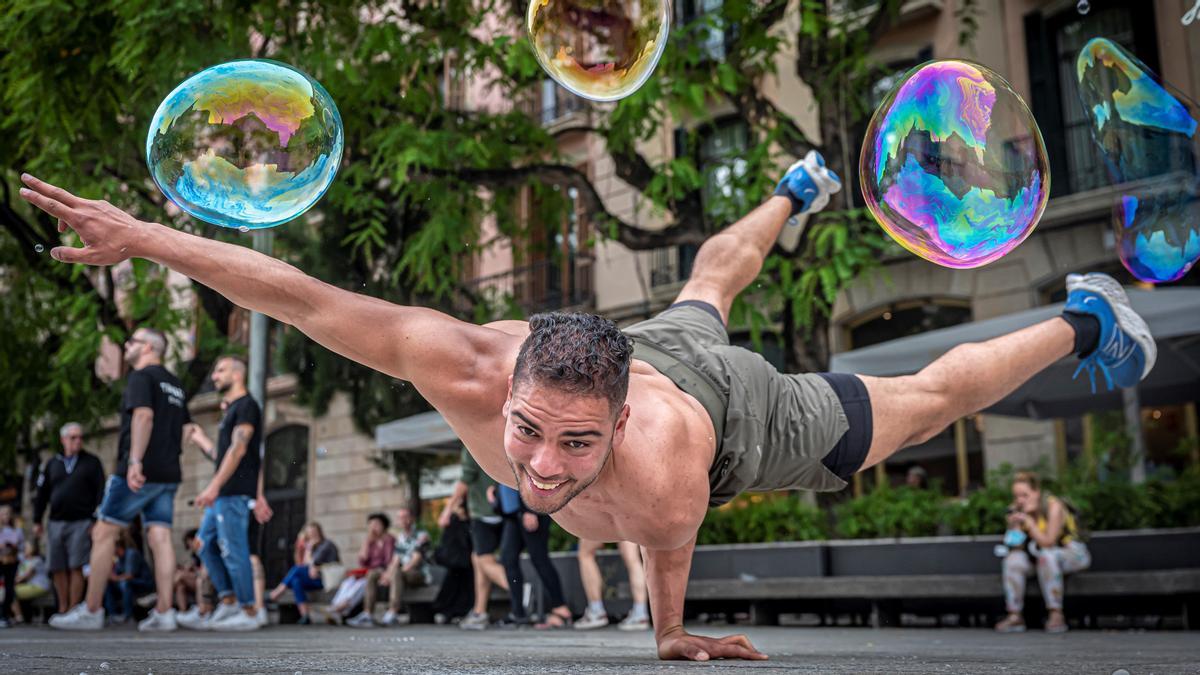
point(228, 501)
point(153, 412)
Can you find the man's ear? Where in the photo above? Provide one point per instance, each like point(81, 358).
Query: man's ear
point(508, 398)
point(619, 428)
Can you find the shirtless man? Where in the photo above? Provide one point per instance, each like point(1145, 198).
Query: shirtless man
point(633, 435)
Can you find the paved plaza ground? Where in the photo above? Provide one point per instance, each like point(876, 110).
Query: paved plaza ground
point(437, 649)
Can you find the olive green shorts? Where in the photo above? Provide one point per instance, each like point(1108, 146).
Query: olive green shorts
point(773, 429)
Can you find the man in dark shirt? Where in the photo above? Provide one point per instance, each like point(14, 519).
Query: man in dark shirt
point(228, 500)
point(72, 485)
point(153, 412)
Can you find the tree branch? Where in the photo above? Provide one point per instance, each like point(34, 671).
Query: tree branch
point(688, 228)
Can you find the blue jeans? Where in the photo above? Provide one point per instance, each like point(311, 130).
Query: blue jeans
point(298, 580)
point(226, 550)
point(122, 594)
point(155, 501)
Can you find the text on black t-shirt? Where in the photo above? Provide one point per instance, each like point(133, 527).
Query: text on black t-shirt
point(156, 388)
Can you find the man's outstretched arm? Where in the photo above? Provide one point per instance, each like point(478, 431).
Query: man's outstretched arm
point(666, 579)
point(409, 343)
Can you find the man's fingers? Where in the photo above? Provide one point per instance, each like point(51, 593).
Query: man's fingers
point(737, 651)
point(53, 191)
point(47, 204)
point(70, 254)
point(737, 640)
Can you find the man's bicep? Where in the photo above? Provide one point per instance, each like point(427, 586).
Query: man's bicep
point(408, 343)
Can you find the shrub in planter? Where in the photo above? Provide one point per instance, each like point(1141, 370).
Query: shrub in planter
point(1177, 501)
point(1113, 504)
point(982, 512)
point(890, 512)
point(754, 518)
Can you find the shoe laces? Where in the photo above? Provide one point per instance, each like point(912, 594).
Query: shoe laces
point(1092, 362)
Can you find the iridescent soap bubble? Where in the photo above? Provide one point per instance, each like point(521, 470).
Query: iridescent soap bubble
point(599, 49)
point(245, 144)
point(953, 165)
point(1147, 131)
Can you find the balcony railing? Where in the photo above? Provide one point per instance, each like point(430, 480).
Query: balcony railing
point(557, 103)
point(543, 286)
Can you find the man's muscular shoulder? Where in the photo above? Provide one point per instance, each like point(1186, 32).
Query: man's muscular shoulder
point(668, 450)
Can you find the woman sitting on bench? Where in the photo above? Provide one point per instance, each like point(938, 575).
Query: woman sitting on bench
point(1051, 534)
point(313, 550)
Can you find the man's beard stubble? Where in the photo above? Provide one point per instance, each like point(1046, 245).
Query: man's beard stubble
point(522, 487)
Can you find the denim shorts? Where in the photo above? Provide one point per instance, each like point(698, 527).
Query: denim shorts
point(155, 502)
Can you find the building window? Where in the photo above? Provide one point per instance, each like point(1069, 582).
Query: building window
point(557, 102)
point(723, 166)
point(1053, 45)
point(707, 26)
point(672, 264)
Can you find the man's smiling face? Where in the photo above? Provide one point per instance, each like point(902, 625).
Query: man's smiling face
point(557, 443)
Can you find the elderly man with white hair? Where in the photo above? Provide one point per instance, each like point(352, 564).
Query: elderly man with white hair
point(71, 484)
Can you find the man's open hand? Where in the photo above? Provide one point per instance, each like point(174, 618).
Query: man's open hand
point(109, 234)
point(680, 645)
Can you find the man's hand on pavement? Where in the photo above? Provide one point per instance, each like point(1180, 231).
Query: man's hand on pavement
point(678, 644)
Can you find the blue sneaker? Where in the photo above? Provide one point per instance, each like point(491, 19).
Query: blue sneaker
point(808, 184)
point(1125, 352)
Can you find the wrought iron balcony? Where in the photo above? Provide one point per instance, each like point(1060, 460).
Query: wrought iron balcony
point(543, 286)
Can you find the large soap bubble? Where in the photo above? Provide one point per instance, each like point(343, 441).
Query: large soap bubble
point(245, 144)
point(1147, 132)
point(953, 165)
point(599, 49)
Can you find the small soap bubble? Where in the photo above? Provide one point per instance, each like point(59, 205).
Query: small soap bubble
point(39, 248)
point(243, 229)
point(1083, 7)
point(104, 665)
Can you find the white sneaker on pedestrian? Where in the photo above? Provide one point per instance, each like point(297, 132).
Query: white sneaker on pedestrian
point(159, 622)
point(632, 622)
point(79, 618)
point(238, 622)
point(389, 618)
point(361, 620)
point(474, 621)
point(192, 619)
point(261, 617)
point(591, 620)
point(222, 612)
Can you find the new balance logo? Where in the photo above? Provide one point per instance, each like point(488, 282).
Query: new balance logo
point(1118, 349)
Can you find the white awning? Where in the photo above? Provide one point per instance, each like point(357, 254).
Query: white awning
point(425, 432)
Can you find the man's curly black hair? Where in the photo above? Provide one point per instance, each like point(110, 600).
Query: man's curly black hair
point(578, 354)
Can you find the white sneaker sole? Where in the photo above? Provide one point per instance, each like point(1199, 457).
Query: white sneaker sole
point(1129, 321)
point(78, 627)
point(236, 628)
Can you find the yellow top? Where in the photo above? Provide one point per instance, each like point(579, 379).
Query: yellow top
point(1069, 531)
